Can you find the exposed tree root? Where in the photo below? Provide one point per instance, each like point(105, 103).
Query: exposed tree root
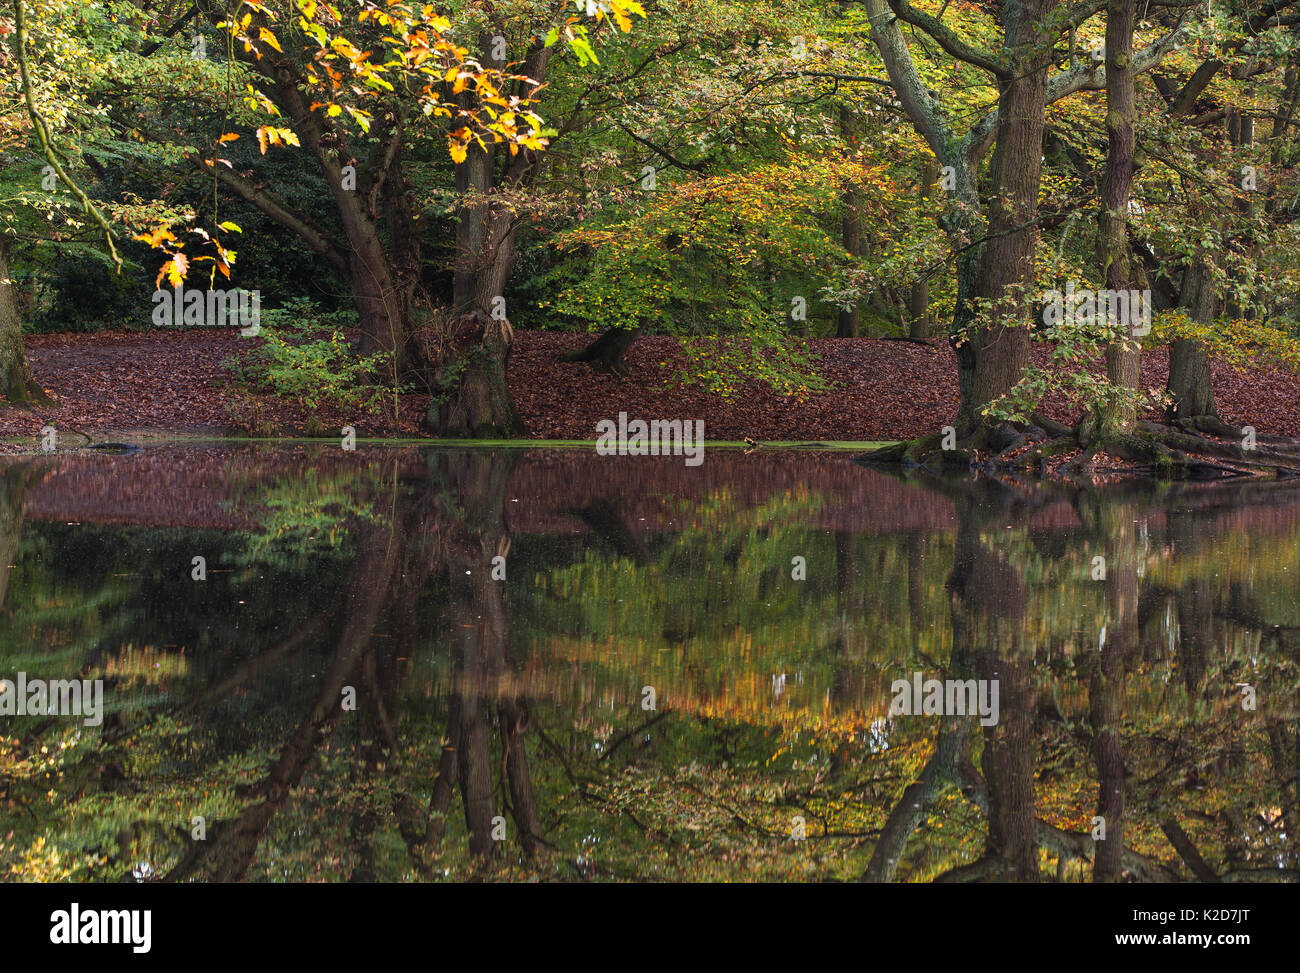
point(1045, 448)
point(605, 354)
point(927, 342)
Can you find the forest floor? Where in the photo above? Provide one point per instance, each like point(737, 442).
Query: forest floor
point(134, 385)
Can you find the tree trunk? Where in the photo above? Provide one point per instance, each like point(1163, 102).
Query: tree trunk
point(16, 382)
point(1189, 381)
point(1123, 356)
point(919, 298)
point(995, 351)
point(471, 397)
point(849, 325)
point(918, 310)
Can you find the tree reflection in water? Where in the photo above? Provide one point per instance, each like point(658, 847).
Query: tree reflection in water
point(499, 729)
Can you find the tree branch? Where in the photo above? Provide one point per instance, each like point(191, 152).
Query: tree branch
point(171, 31)
point(949, 40)
point(921, 109)
point(278, 212)
point(43, 135)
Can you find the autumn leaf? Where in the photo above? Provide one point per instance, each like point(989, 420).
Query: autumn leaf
point(174, 270)
point(156, 237)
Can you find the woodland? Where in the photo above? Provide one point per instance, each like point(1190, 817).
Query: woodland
point(769, 752)
point(1053, 243)
point(784, 200)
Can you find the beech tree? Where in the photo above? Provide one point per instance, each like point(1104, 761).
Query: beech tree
point(361, 87)
point(1035, 56)
point(994, 245)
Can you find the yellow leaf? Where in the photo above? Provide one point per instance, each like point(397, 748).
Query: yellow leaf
point(175, 270)
point(156, 237)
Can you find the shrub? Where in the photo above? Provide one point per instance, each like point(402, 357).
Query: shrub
point(306, 358)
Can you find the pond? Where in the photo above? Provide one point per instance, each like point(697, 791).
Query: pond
point(300, 663)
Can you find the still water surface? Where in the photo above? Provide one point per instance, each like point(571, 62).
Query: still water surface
point(423, 664)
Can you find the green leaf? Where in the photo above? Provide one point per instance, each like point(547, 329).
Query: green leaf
point(582, 47)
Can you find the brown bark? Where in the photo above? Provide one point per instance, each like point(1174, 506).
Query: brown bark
point(1123, 356)
point(1189, 383)
point(995, 351)
point(848, 325)
point(471, 395)
point(16, 382)
point(918, 303)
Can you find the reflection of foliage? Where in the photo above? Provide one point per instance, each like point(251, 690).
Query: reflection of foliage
point(706, 787)
point(309, 517)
